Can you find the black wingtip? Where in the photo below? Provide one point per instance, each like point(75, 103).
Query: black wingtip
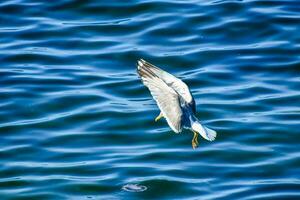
point(141, 62)
point(143, 69)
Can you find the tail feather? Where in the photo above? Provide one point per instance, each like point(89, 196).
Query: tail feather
point(205, 132)
point(211, 134)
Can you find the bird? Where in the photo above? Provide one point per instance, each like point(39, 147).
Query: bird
point(175, 101)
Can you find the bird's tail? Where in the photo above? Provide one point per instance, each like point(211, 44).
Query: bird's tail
point(205, 132)
point(211, 134)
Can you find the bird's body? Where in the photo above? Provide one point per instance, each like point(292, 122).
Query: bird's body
point(174, 99)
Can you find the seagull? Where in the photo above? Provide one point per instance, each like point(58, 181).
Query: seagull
point(174, 100)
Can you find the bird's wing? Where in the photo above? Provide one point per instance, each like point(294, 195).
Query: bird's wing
point(166, 98)
point(178, 85)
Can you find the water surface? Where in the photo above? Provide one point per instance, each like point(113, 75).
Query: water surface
point(77, 123)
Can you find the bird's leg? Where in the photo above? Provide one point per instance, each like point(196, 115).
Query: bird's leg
point(195, 143)
point(159, 116)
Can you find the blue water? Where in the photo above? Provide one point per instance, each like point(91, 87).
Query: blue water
point(77, 123)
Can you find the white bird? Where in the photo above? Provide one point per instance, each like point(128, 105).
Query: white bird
point(174, 100)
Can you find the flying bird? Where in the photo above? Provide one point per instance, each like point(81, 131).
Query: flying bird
point(174, 100)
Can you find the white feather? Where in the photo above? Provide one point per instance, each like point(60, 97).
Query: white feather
point(166, 98)
point(205, 132)
point(178, 85)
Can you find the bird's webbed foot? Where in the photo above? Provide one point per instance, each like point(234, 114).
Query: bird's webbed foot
point(159, 116)
point(195, 142)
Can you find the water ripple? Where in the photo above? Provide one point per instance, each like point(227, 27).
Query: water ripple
point(77, 123)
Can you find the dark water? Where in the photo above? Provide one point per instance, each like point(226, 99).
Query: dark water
point(76, 122)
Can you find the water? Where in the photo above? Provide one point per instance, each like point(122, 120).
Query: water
point(77, 123)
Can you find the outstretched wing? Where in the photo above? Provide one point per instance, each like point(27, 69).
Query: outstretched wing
point(178, 85)
point(166, 98)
